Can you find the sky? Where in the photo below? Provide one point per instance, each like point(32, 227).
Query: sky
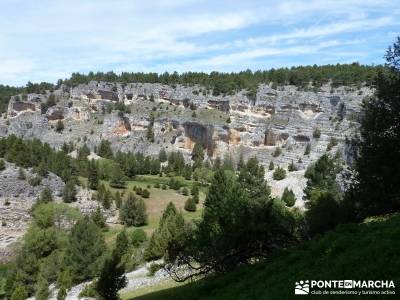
point(49, 39)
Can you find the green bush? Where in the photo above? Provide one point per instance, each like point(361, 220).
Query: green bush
point(277, 152)
point(292, 167)
point(308, 149)
point(2, 165)
point(190, 204)
point(271, 166)
point(153, 268)
point(288, 197)
point(145, 193)
point(35, 181)
point(185, 192)
point(316, 133)
point(279, 173)
point(175, 184)
point(332, 143)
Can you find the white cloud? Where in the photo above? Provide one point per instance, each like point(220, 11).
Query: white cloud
point(55, 38)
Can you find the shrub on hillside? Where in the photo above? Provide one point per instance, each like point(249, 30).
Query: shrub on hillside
point(308, 149)
point(288, 197)
point(145, 193)
point(271, 166)
point(277, 152)
point(292, 167)
point(316, 133)
point(332, 143)
point(190, 204)
point(2, 165)
point(185, 192)
point(279, 173)
point(35, 181)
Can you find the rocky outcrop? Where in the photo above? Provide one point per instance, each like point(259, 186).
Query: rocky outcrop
point(220, 105)
point(16, 199)
point(199, 133)
point(185, 115)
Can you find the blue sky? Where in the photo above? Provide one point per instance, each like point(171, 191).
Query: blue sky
point(49, 39)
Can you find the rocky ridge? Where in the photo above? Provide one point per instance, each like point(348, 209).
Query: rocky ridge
point(233, 125)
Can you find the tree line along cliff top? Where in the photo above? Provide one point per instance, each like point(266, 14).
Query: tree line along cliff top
point(220, 83)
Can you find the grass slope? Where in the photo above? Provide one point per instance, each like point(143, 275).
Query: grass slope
point(366, 251)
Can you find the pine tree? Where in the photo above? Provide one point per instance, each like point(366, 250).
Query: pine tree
point(117, 177)
point(93, 178)
point(69, 192)
point(104, 149)
point(122, 243)
point(288, 197)
point(107, 200)
point(170, 225)
point(98, 218)
point(150, 134)
point(316, 133)
point(170, 229)
point(85, 248)
point(46, 195)
point(111, 278)
point(376, 189)
point(198, 152)
point(83, 152)
point(133, 211)
point(196, 198)
point(271, 166)
point(308, 149)
point(279, 174)
point(162, 156)
point(292, 167)
point(118, 200)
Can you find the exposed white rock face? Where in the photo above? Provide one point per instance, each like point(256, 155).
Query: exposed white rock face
point(225, 125)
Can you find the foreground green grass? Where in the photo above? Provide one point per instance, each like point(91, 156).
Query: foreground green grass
point(367, 251)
